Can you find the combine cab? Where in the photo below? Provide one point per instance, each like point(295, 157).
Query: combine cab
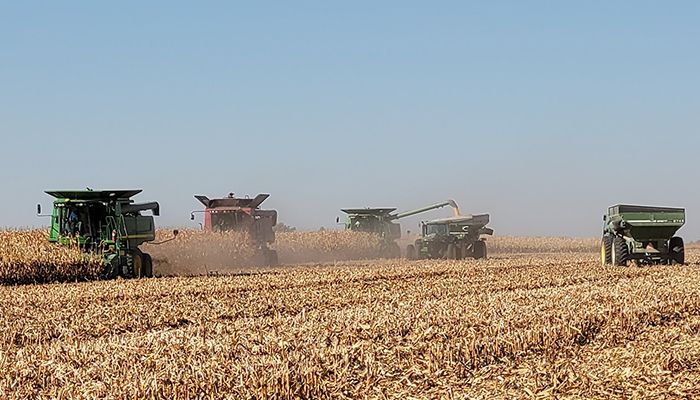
point(452, 238)
point(380, 221)
point(642, 234)
point(233, 214)
point(107, 222)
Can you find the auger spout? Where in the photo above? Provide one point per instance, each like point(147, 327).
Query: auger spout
point(450, 203)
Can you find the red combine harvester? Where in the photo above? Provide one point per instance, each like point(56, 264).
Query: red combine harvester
point(233, 214)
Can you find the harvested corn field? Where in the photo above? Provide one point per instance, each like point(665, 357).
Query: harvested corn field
point(509, 327)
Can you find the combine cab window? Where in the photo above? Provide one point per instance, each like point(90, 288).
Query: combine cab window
point(230, 221)
point(363, 225)
point(73, 219)
point(81, 219)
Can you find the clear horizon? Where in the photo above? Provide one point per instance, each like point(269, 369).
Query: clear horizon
point(540, 114)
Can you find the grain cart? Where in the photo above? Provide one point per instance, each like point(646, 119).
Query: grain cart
point(235, 214)
point(380, 221)
point(452, 238)
point(642, 234)
point(107, 222)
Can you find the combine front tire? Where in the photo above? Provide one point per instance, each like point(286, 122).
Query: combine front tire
point(111, 267)
point(620, 252)
point(676, 250)
point(479, 248)
point(606, 245)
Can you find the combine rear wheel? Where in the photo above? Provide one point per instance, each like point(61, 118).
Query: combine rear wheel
point(147, 266)
point(620, 252)
point(479, 248)
point(606, 245)
point(136, 270)
point(411, 252)
point(676, 250)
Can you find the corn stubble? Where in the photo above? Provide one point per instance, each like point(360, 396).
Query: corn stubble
point(508, 327)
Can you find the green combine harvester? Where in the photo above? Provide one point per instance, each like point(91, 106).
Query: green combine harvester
point(380, 221)
point(642, 234)
point(106, 222)
point(451, 238)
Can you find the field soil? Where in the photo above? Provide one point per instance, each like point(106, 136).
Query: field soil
point(521, 325)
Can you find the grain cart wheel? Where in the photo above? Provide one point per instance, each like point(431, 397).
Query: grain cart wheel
point(451, 251)
point(479, 248)
point(147, 266)
point(606, 245)
point(620, 252)
point(411, 252)
point(676, 250)
point(462, 251)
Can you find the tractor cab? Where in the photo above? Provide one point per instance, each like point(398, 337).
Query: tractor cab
point(435, 229)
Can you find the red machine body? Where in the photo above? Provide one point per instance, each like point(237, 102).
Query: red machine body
point(242, 215)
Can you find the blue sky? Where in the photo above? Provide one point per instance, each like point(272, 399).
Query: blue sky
point(540, 113)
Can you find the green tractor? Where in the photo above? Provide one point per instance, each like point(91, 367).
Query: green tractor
point(451, 238)
point(380, 221)
point(109, 223)
point(642, 234)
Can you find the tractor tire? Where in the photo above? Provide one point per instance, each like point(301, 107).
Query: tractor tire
point(411, 252)
point(606, 245)
point(479, 249)
point(451, 251)
point(676, 250)
point(620, 252)
point(147, 267)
